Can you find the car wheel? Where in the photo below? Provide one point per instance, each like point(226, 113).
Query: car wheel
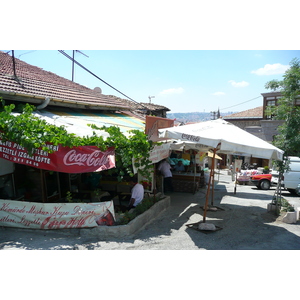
point(265, 184)
point(293, 192)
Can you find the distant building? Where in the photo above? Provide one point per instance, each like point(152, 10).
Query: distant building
point(257, 123)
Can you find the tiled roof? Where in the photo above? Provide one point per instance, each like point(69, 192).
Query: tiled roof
point(153, 107)
point(142, 106)
point(35, 82)
point(254, 113)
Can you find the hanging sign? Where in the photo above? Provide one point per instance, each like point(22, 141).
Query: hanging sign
point(238, 165)
point(81, 159)
point(159, 152)
point(55, 215)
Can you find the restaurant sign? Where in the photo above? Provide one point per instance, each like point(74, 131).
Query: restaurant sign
point(55, 215)
point(81, 159)
point(159, 152)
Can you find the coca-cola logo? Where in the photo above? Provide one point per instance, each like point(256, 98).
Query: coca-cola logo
point(190, 137)
point(96, 158)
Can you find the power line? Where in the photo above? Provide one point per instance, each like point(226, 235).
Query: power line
point(26, 53)
point(240, 103)
point(68, 56)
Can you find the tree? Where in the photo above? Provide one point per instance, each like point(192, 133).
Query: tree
point(288, 138)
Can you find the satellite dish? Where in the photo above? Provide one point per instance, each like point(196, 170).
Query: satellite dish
point(97, 89)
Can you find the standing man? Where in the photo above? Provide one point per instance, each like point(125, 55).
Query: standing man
point(165, 169)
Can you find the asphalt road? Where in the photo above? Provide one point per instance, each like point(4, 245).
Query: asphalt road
point(242, 220)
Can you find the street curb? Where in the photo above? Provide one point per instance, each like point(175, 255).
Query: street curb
point(133, 226)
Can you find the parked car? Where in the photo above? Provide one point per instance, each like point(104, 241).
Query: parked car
point(262, 181)
point(291, 178)
point(275, 177)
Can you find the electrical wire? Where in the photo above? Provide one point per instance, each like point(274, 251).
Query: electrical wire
point(26, 53)
point(80, 65)
point(240, 103)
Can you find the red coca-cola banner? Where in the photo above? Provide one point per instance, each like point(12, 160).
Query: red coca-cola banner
point(80, 159)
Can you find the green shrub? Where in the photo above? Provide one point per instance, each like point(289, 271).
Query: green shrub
point(139, 209)
point(285, 205)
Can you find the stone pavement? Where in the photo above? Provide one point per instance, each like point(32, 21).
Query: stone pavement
point(244, 222)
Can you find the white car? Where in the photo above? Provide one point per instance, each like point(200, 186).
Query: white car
point(275, 177)
point(291, 178)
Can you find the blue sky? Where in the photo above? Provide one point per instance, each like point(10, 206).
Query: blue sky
point(182, 80)
point(191, 56)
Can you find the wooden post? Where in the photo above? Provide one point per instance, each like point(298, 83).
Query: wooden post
point(43, 183)
point(208, 187)
point(154, 182)
point(213, 179)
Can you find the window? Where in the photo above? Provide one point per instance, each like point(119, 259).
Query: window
point(271, 102)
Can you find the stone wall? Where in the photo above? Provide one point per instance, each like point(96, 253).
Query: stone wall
point(132, 227)
point(269, 128)
point(245, 123)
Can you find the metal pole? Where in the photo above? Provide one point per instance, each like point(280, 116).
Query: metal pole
point(73, 65)
point(14, 64)
point(235, 182)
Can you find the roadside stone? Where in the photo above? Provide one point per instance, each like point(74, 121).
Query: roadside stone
point(79, 247)
point(207, 226)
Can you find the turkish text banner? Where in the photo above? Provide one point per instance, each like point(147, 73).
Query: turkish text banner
point(81, 159)
point(55, 215)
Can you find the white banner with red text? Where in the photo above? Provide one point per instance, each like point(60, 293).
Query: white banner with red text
point(55, 215)
point(159, 152)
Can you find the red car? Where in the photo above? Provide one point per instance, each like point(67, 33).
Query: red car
point(262, 181)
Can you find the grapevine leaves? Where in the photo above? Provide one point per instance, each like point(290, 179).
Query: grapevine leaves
point(31, 133)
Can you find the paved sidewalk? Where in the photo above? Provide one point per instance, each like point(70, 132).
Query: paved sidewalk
point(245, 224)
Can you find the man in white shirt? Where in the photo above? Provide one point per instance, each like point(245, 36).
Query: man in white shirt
point(165, 169)
point(137, 194)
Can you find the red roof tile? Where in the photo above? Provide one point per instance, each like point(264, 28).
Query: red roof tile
point(247, 114)
point(36, 82)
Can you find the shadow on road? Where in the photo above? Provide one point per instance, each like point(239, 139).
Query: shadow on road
point(245, 224)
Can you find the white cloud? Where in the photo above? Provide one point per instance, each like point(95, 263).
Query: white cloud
point(218, 94)
point(239, 84)
point(271, 69)
point(172, 91)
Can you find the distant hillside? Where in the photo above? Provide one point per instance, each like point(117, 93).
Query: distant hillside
point(194, 116)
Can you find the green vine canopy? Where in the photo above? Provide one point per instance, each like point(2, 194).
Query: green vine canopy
point(32, 133)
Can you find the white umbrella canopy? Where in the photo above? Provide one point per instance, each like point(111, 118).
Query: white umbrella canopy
point(77, 126)
point(224, 136)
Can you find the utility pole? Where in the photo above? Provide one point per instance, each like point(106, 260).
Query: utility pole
point(73, 61)
point(150, 97)
point(213, 115)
